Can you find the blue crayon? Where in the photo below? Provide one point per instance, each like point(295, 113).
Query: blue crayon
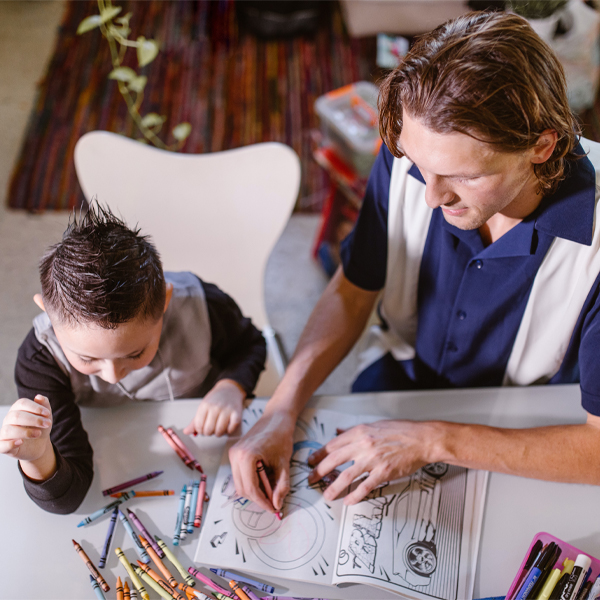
point(107, 508)
point(109, 535)
point(97, 590)
point(195, 491)
point(255, 584)
point(136, 540)
point(179, 515)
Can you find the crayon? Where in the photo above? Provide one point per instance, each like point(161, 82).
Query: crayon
point(184, 449)
point(131, 483)
point(109, 536)
point(134, 578)
point(186, 513)
point(90, 565)
point(136, 541)
point(262, 473)
point(151, 583)
point(159, 563)
point(147, 493)
point(179, 520)
point(170, 441)
point(209, 582)
point(190, 592)
point(163, 584)
point(237, 590)
point(200, 502)
point(189, 580)
point(107, 508)
point(126, 592)
point(144, 531)
point(250, 593)
point(193, 505)
point(119, 589)
point(263, 587)
point(97, 589)
point(133, 593)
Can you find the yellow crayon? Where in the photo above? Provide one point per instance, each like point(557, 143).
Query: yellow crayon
point(188, 578)
point(136, 580)
point(153, 584)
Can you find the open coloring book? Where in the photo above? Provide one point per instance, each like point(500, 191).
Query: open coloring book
point(417, 536)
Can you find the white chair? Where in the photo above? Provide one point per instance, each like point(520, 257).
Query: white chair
point(217, 215)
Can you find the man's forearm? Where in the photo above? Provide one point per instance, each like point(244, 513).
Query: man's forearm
point(333, 328)
point(567, 453)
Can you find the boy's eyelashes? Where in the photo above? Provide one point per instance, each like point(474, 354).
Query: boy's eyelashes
point(91, 360)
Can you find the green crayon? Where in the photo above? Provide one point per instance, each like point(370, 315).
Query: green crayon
point(188, 578)
point(136, 581)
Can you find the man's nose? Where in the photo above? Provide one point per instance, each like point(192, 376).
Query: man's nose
point(437, 192)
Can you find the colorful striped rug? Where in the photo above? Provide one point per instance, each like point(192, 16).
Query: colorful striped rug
point(234, 88)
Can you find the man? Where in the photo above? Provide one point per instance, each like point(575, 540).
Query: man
point(477, 231)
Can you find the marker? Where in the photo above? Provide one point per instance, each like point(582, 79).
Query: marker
point(119, 589)
point(107, 508)
point(147, 493)
point(209, 582)
point(549, 585)
point(161, 567)
point(262, 473)
point(188, 462)
point(200, 502)
point(160, 581)
point(185, 527)
point(250, 593)
point(126, 591)
point(571, 589)
point(255, 584)
point(151, 583)
point(97, 589)
point(134, 578)
point(189, 580)
point(193, 506)
point(144, 531)
point(109, 535)
point(534, 574)
point(585, 590)
point(90, 565)
point(179, 520)
point(535, 550)
point(136, 541)
point(545, 572)
point(595, 591)
point(237, 590)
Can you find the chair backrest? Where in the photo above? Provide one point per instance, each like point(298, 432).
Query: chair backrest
point(217, 215)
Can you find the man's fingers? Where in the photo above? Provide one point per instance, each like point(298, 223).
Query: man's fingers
point(365, 487)
point(342, 482)
point(330, 462)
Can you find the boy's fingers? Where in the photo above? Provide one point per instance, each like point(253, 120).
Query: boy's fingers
point(15, 432)
point(10, 447)
point(210, 421)
point(37, 408)
point(234, 420)
point(26, 419)
point(221, 424)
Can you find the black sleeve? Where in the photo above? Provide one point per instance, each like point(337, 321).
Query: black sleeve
point(237, 348)
point(37, 372)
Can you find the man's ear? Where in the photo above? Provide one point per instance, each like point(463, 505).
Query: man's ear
point(38, 300)
point(169, 294)
point(544, 147)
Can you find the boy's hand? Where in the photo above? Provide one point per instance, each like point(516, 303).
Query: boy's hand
point(220, 411)
point(25, 434)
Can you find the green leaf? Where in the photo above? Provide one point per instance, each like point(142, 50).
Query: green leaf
point(119, 31)
point(124, 20)
point(137, 84)
point(152, 120)
point(122, 74)
point(181, 131)
point(147, 51)
point(89, 23)
point(110, 13)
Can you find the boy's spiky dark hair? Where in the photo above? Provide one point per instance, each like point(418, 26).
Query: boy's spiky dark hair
point(102, 272)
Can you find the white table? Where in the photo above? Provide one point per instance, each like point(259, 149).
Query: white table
point(37, 559)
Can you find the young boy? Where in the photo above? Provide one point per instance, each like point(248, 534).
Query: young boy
point(116, 329)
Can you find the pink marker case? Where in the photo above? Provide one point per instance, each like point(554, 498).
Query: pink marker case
point(568, 551)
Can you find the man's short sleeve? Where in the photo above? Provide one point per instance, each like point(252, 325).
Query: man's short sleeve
point(364, 251)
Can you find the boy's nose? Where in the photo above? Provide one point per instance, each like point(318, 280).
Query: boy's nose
point(113, 372)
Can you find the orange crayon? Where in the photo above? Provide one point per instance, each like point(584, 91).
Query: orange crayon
point(119, 589)
point(126, 591)
point(238, 591)
point(158, 562)
point(160, 581)
point(90, 565)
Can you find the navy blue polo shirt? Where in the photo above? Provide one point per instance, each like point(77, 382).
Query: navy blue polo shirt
point(471, 298)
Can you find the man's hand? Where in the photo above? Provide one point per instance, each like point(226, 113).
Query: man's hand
point(220, 411)
point(386, 450)
point(269, 440)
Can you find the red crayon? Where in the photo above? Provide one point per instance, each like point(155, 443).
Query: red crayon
point(262, 473)
point(188, 462)
point(200, 502)
point(90, 565)
point(184, 449)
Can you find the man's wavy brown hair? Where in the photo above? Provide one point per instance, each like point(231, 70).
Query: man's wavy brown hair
point(490, 76)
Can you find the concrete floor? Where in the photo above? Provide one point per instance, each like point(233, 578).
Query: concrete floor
point(27, 30)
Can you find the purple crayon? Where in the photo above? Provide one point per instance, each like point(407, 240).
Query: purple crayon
point(127, 484)
point(249, 593)
point(145, 533)
point(109, 535)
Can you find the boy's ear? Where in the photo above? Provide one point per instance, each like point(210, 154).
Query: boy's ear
point(169, 291)
point(38, 300)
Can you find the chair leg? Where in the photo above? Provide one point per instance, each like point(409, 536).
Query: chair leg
point(275, 349)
